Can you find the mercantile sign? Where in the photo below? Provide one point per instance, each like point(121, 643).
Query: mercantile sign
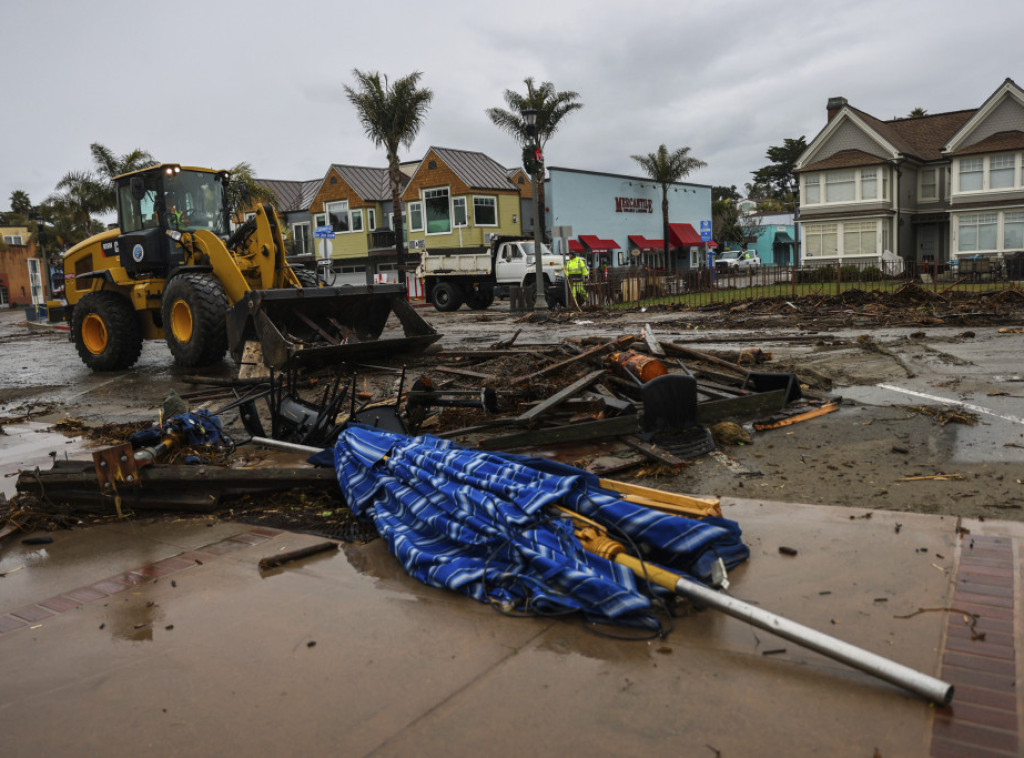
point(634, 205)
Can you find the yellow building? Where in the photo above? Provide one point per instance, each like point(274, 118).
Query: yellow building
point(455, 198)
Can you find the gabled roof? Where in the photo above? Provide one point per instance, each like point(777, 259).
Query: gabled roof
point(922, 137)
point(997, 143)
point(476, 170)
point(366, 181)
point(843, 159)
point(292, 195)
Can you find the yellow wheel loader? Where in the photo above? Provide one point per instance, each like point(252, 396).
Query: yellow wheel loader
point(173, 270)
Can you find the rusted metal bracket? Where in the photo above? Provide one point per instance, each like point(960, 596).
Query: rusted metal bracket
point(116, 467)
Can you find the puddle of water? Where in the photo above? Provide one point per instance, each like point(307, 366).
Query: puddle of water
point(28, 445)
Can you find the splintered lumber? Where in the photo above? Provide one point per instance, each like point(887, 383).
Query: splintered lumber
point(806, 415)
point(587, 430)
point(616, 344)
point(168, 486)
point(652, 341)
point(755, 405)
point(561, 396)
point(465, 372)
point(274, 561)
point(659, 499)
point(652, 451)
point(689, 352)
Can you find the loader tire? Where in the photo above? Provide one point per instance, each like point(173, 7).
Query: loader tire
point(106, 331)
point(195, 319)
point(306, 277)
point(447, 297)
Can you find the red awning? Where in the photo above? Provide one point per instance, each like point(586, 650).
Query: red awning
point(642, 243)
point(713, 245)
point(597, 245)
point(683, 235)
point(575, 247)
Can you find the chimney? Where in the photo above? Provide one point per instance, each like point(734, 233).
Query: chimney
point(835, 104)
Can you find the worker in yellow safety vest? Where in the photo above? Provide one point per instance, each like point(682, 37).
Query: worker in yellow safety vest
point(576, 271)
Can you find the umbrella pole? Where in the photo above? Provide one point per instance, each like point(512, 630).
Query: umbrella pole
point(931, 689)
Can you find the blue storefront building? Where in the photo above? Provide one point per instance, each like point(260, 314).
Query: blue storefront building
point(616, 220)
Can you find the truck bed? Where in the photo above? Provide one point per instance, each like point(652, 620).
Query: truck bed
point(471, 264)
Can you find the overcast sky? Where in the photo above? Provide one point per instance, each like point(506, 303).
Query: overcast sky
point(216, 82)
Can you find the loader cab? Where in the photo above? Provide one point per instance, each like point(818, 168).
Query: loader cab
point(166, 198)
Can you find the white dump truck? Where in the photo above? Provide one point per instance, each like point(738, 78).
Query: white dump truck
point(476, 278)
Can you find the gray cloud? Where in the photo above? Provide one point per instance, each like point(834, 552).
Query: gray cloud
point(213, 84)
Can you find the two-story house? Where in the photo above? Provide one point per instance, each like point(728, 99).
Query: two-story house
point(293, 199)
point(456, 198)
point(929, 188)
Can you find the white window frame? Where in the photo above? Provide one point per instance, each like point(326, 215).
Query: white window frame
point(352, 216)
point(371, 219)
point(338, 208)
point(459, 205)
point(977, 221)
point(319, 219)
point(14, 239)
point(418, 205)
point(424, 197)
point(863, 230)
point(820, 231)
point(873, 174)
point(815, 180)
point(307, 238)
point(695, 257)
point(494, 200)
point(921, 184)
point(841, 178)
point(1011, 158)
point(1016, 218)
point(248, 216)
point(962, 163)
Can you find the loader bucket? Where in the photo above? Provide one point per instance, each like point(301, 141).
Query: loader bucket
point(314, 326)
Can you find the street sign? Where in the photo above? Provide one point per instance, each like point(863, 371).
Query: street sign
point(324, 232)
point(705, 231)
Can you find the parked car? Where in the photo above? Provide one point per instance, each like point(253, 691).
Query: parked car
point(734, 261)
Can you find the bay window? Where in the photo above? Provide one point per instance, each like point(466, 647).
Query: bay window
point(978, 231)
point(1000, 171)
point(972, 171)
point(337, 214)
point(840, 186)
point(812, 189)
point(485, 211)
point(459, 212)
point(415, 213)
point(869, 184)
point(821, 240)
point(439, 220)
point(860, 238)
point(1013, 230)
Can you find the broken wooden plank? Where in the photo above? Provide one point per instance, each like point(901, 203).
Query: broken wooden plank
point(588, 430)
point(561, 396)
point(616, 344)
point(654, 452)
point(689, 352)
point(754, 405)
point(652, 341)
point(274, 561)
point(814, 413)
point(465, 372)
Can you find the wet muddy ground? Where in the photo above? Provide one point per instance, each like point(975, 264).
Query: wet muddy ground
point(898, 371)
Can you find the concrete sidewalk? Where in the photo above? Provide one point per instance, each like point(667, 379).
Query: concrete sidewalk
point(162, 636)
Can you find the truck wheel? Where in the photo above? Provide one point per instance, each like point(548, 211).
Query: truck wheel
point(195, 319)
point(447, 297)
point(306, 277)
point(480, 301)
point(106, 331)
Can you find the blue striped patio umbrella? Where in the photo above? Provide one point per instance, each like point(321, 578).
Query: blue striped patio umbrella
point(479, 523)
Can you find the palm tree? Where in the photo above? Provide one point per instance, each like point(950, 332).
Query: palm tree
point(917, 112)
point(666, 168)
point(83, 195)
point(244, 189)
point(110, 165)
point(391, 114)
point(21, 204)
point(551, 107)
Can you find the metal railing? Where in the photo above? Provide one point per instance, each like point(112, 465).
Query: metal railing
point(701, 287)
